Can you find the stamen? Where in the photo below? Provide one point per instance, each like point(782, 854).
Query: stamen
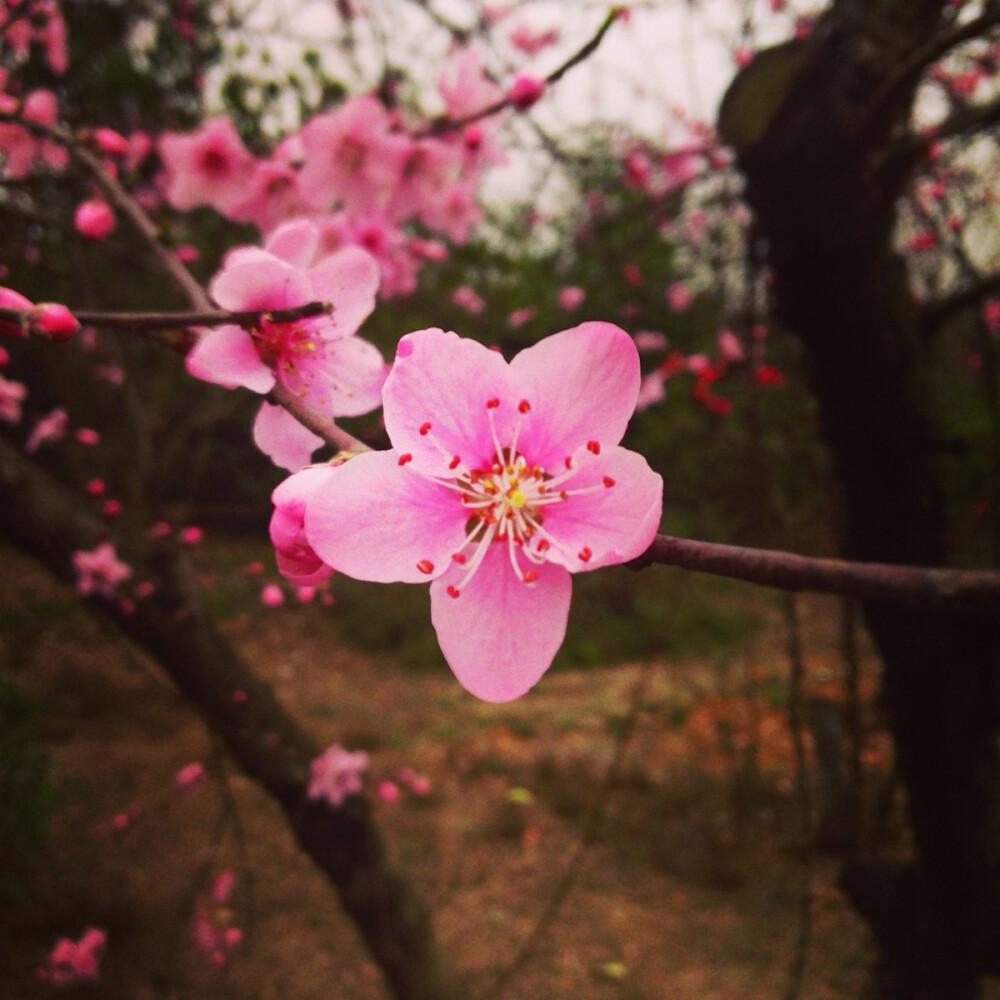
point(425, 566)
point(452, 591)
point(584, 554)
point(425, 429)
point(492, 404)
point(594, 447)
point(455, 462)
point(523, 406)
point(459, 558)
point(608, 482)
point(530, 576)
point(403, 459)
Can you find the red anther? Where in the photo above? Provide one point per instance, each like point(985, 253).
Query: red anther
point(452, 591)
point(569, 462)
point(523, 406)
point(403, 459)
point(608, 481)
point(563, 495)
point(594, 447)
point(530, 576)
point(424, 428)
point(492, 404)
point(455, 462)
point(584, 554)
point(425, 566)
point(459, 558)
point(543, 545)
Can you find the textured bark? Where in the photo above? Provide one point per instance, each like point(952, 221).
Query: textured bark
point(46, 520)
point(823, 184)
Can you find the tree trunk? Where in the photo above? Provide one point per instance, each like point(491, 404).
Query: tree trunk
point(823, 184)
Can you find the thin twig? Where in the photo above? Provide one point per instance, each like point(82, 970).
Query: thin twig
point(450, 124)
point(911, 586)
point(168, 320)
point(587, 837)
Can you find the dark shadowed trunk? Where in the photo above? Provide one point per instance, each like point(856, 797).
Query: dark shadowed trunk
point(816, 150)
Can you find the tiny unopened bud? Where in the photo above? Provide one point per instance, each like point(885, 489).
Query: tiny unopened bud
point(525, 91)
point(94, 219)
point(111, 142)
point(53, 320)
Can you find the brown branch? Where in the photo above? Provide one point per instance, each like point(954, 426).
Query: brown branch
point(974, 294)
point(213, 317)
point(902, 79)
point(47, 520)
point(175, 320)
point(450, 124)
point(968, 119)
point(909, 586)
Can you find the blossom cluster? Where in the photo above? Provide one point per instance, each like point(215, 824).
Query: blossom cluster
point(361, 173)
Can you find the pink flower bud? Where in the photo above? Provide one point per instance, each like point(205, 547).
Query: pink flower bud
point(111, 142)
point(272, 596)
point(525, 91)
point(94, 219)
point(53, 320)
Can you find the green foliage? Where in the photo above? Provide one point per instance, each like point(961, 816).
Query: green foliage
point(26, 791)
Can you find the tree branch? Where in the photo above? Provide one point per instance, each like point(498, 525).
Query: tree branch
point(46, 519)
point(450, 124)
point(910, 586)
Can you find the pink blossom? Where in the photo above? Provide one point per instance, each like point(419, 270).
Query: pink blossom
point(95, 488)
point(49, 428)
point(651, 390)
point(209, 166)
point(336, 773)
point(353, 158)
point(571, 297)
point(94, 219)
point(99, 571)
point(650, 340)
point(679, 296)
point(529, 41)
point(87, 436)
point(73, 962)
point(222, 887)
point(112, 374)
point(729, 346)
point(519, 317)
point(503, 480)
point(190, 776)
point(12, 395)
point(272, 596)
point(109, 141)
point(191, 535)
point(466, 298)
point(296, 559)
point(991, 315)
point(525, 91)
point(161, 529)
point(319, 358)
point(387, 791)
point(111, 508)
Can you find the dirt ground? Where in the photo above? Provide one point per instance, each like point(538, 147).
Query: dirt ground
point(691, 889)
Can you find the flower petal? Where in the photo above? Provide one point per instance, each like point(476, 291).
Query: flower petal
point(345, 380)
point(283, 439)
point(349, 278)
point(259, 280)
point(442, 382)
point(500, 634)
point(376, 520)
point(611, 523)
point(582, 385)
point(227, 356)
point(295, 242)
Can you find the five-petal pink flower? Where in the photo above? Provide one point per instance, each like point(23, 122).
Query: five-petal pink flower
point(503, 480)
point(318, 358)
